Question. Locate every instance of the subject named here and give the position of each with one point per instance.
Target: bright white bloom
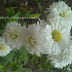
(34, 39)
(4, 48)
(63, 59)
(13, 35)
(58, 38)
(62, 11)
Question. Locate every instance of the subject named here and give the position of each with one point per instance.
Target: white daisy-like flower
(4, 48)
(60, 61)
(58, 38)
(62, 11)
(13, 35)
(34, 39)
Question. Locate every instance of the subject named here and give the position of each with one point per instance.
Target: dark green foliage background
(21, 60)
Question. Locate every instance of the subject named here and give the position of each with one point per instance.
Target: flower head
(4, 48)
(34, 39)
(65, 58)
(13, 35)
(58, 37)
(62, 11)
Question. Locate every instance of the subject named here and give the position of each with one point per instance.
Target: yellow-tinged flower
(13, 35)
(62, 11)
(58, 37)
(4, 48)
(35, 39)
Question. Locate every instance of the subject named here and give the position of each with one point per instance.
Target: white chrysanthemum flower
(4, 48)
(34, 39)
(13, 35)
(62, 11)
(60, 61)
(58, 37)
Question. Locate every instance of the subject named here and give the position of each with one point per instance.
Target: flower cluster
(60, 44)
(51, 37)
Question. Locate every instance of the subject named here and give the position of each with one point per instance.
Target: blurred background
(22, 61)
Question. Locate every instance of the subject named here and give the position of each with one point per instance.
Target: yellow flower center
(62, 15)
(56, 35)
(32, 41)
(2, 47)
(13, 35)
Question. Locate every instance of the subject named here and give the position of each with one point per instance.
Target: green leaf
(34, 16)
(15, 17)
(6, 59)
(22, 55)
(17, 14)
(28, 13)
(10, 11)
(1, 66)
